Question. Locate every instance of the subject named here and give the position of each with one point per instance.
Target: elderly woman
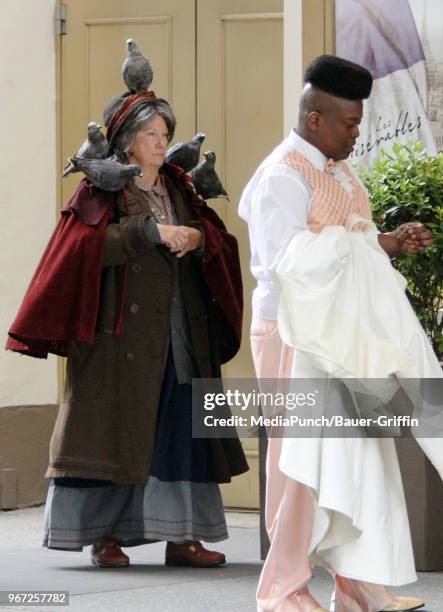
(150, 298)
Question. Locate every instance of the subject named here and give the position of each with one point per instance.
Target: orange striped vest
(331, 203)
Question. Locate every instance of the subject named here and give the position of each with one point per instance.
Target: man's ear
(313, 121)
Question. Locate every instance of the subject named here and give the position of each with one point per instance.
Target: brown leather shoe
(192, 554)
(107, 553)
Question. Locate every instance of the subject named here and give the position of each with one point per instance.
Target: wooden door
(220, 65)
(94, 48)
(240, 108)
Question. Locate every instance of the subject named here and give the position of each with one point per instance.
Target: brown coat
(107, 419)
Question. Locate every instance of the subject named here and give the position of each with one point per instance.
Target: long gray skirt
(136, 514)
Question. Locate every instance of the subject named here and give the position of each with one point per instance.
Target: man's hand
(413, 237)
(179, 238)
(407, 238)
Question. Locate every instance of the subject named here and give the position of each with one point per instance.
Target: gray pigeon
(94, 147)
(106, 174)
(136, 70)
(186, 154)
(205, 179)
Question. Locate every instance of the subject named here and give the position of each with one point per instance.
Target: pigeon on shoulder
(106, 174)
(136, 69)
(94, 147)
(206, 181)
(186, 154)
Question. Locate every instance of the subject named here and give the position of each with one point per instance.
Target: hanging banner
(382, 36)
(429, 20)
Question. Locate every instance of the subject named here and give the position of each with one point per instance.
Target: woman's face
(150, 144)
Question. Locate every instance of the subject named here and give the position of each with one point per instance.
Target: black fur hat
(339, 77)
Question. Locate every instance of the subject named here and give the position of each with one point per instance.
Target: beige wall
(293, 53)
(28, 387)
(308, 32)
(27, 176)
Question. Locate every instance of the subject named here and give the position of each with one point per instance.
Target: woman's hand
(180, 239)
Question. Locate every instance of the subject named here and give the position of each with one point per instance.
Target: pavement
(147, 584)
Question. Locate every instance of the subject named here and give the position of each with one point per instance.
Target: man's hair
(339, 77)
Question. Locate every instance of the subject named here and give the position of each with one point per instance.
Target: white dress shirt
(276, 204)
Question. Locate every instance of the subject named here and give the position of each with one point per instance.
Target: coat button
(134, 308)
(130, 356)
(136, 268)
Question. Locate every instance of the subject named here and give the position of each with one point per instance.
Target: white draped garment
(344, 309)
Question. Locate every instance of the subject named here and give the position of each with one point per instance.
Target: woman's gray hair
(138, 121)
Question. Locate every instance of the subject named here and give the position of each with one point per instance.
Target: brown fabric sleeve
(126, 240)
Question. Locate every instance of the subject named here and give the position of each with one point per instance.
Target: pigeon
(94, 147)
(205, 179)
(136, 69)
(186, 154)
(106, 174)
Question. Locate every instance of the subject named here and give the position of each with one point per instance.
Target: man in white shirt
(289, 194)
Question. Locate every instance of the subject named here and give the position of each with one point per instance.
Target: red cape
(61, 302)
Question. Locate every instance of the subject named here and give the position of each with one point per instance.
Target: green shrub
(407, 185)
